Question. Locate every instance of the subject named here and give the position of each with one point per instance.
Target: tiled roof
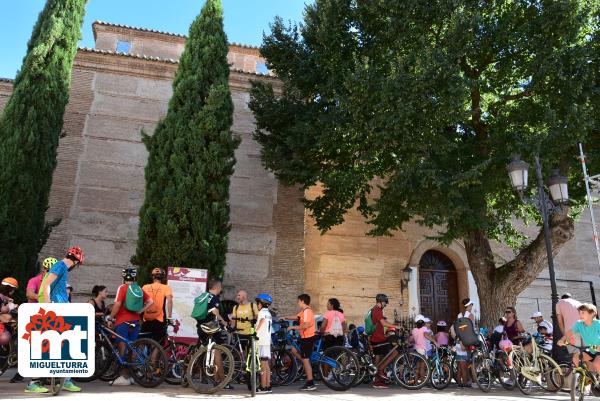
(6, 80)
(158, 59)
(136, 28)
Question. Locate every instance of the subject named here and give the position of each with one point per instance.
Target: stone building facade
(123, 85)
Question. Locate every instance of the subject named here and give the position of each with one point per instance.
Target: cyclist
(35, 283)
(306, 327)
(162, 297)
(378, 340)
(243, 317)
(588, 327)
(100, 293)
(215, 286)
(127, 322)
(540, 322)
(333, 327)
(263, 330)
(7, 290)
(54, 289)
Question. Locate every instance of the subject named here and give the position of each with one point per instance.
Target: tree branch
(495, 107)
(532, 260)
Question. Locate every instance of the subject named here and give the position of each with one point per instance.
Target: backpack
(200, 311)
(134, 298)
(336, 328)
(465, 331)
(370, 326)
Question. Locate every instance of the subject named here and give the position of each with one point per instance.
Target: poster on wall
(186, 284)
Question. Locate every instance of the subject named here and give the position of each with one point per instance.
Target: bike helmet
(264, 299)
(157, 272)
(48, 262)
(76, 253)
(382, 298)
(442, 323)
(129, 273)
(11, 282)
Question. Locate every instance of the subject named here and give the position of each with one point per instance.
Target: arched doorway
(438, 286)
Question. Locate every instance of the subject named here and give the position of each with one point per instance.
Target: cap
(536, 314)
(468, 302)
(546, 325)
(427, 320)
(419, 317)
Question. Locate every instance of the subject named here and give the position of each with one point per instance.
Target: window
(261, 67)
(123, 46)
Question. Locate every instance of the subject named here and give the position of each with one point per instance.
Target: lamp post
(547, 205)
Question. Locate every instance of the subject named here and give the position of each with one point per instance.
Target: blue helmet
(264, 298)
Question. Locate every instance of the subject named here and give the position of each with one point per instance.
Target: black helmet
(382, 298)
(129, 273)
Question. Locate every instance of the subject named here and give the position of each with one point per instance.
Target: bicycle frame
(115, 351)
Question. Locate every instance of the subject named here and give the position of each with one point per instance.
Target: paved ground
(102, 391)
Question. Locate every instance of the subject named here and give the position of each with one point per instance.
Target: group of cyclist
(150, 308)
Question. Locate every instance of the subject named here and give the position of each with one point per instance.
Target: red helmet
(77, 253)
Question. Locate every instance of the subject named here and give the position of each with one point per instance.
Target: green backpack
(369, 325)
(134, 300)
(200, 311)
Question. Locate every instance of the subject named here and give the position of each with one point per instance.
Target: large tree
(30, 127)
(185, 217)
(411, 110)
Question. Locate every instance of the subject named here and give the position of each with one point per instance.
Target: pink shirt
(568, 309)
(418, 336)
(442, 338)
(329, 315)
(34, 285)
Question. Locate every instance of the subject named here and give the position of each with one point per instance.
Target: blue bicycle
(144, 358)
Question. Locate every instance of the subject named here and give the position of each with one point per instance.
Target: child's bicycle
(582, 377)
(535, 368)
(253, 368)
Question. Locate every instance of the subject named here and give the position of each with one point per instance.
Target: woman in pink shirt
(333, 327)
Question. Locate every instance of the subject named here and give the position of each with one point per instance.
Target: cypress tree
(185, 217)
(30, 127)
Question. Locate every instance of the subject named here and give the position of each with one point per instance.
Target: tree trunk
(499, 287)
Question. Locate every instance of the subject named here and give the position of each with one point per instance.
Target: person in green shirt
(588, 328)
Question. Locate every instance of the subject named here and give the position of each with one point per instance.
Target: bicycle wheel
(519, 361)
(207, 377)
(552, 376)
(176, 355)
(441, 375)
(284, 367)
(102, 363)
(411, 370)
(239, 364)
(147, 363)
(253, 367)
(504, 371)
(578, 382)
(56, 385)
(481, 371)
(339, 368)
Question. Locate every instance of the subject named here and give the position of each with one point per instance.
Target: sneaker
(308, 387)
(17, 378)
(121, 381)
(379, 384)
(261, 390)
(69, 386)
(269, 389)
(228, 387)
(35, 388)
(131, 381)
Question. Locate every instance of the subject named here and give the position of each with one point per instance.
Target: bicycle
(440, 365)
(9, 352)
(536, 367)
(582, 377)
(211, 367)
(253, 363)
(144, 358)
(283, 363)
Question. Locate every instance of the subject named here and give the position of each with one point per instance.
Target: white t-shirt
(264, 332)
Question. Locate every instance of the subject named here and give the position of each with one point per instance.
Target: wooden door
(438, 287)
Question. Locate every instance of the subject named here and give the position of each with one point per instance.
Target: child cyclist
(263, 331)
(588, 327)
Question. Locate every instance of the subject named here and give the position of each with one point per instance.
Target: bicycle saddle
(210, 328)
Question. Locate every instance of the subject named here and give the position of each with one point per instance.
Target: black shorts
(307, 346)
(593, 356)
(219, 337)
(155, 330)
(381, 348)
(332, 341)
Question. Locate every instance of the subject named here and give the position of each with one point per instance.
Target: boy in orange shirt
(306, 327)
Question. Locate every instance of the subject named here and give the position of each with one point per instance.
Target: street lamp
(405, 278)
(559, 196)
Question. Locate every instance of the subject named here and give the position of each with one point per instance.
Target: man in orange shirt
(306, 327)
(162, 296)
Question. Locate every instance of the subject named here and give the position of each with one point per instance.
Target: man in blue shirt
(55, 290)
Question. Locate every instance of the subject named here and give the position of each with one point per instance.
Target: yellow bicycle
(582, 378)
(535, 368)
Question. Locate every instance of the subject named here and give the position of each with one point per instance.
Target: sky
(245, 20)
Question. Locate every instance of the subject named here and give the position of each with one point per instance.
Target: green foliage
(415, 107)
(30, 127)
(185, 217)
